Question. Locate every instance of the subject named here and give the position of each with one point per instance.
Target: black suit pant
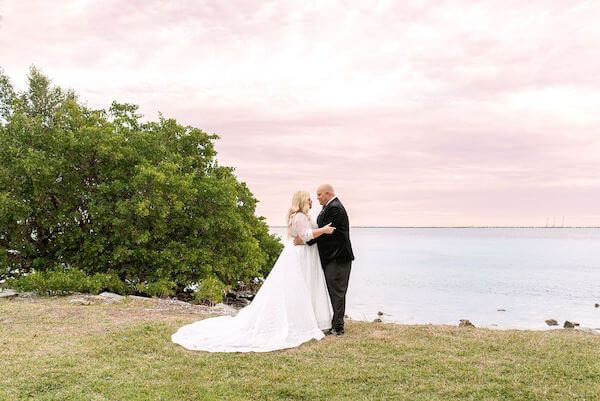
(337, 275)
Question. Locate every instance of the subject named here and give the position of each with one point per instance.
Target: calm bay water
(441, 275)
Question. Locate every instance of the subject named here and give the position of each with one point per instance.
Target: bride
(291, 307)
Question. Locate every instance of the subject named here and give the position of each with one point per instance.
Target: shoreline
(175, 305)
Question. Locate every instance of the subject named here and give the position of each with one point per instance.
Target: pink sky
(419, 113)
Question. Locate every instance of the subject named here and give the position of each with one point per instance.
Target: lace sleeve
(302, 227)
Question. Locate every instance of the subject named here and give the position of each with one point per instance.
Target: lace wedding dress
(291, 307)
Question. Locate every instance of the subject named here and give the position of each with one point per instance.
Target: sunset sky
(419, 113)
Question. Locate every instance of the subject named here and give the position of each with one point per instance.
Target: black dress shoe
(335, 332)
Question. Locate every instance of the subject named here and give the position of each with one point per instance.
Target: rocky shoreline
(233, 303)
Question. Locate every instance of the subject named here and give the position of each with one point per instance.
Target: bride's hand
(329, 229)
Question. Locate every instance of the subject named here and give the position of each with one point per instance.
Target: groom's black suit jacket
(337, 245)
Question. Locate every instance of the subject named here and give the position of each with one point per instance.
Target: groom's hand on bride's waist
(298, 240)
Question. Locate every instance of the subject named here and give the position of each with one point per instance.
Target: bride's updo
(300, 204)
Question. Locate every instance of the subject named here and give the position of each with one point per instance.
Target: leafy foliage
(108, 193)
(160, 288)
(60, 281)
(210, 291)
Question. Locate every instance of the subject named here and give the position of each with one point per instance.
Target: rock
(465, 323)
(88, 299)
(378, 320)
(137, 297)
(588, 330)
(380, 313)
(501, 310)
(8, 293)
(249, 295)
(570, 325)
(29, 294)
(175, 301)
(111, 295)
(80, 301)
(224, 309)
(551, 322)
(239, 299)
(597, 305)
(238, 303)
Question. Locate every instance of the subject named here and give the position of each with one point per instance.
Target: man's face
(322, 196)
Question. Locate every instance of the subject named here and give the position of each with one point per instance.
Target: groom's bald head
(325, 193)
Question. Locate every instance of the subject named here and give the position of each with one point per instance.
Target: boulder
(380, 313)
(8, 293)
(378, 320)
(570, 325)
(111, 295)
(551, 322)
(597, 305)
(465, 323)
(501, 310)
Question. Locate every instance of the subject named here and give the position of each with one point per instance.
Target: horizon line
(279, 226)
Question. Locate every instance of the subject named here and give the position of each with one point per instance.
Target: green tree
(105, 192)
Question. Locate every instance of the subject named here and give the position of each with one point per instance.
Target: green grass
(51, 350)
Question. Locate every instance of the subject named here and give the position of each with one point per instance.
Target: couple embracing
(304, 296)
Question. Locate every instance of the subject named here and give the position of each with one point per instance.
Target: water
(441, 275)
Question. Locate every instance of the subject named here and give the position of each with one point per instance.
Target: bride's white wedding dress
(291, 307)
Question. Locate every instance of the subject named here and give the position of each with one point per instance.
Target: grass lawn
(52, 350)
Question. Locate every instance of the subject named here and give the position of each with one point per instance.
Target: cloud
(420, 112)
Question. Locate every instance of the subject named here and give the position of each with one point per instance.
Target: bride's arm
(323, 230)
(305, 230)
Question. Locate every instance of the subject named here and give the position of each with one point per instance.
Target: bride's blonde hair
(299, 205)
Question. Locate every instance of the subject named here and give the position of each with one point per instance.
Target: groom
(335, 252)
